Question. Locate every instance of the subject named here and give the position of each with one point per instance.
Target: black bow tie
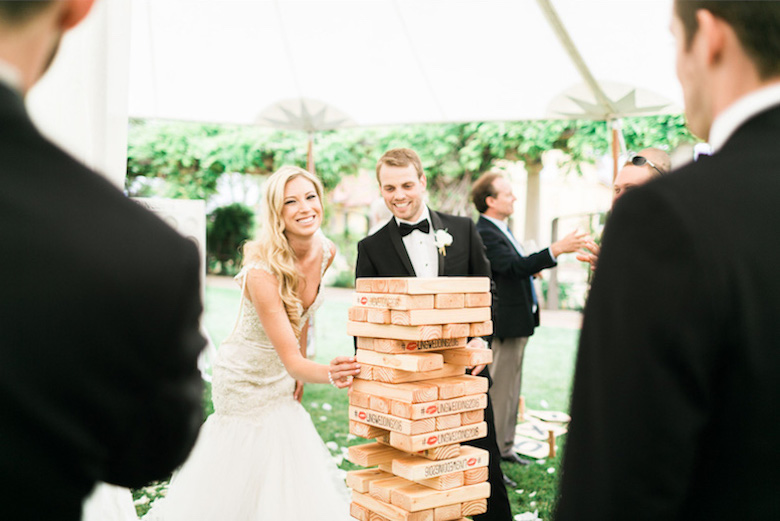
(406, 229)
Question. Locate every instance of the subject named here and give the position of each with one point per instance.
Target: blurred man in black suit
(679, 360)
(99, 308)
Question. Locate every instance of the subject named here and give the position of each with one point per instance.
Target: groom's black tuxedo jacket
(511, 274)
(677, 384)
(99, 309)
(383, 254)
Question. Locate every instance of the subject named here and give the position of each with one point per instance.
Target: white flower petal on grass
(338, 459)
(344, 451)
(551, 470)
(528, 516)
(332, 445)
(323, 418)
(519, 491)
(545, 405)
(141, 500)
(532, 504)
(314, 405)
(541, 461)
(327, 407)
(351, 437)
(532, 494)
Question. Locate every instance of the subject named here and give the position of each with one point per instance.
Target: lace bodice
(249, 376)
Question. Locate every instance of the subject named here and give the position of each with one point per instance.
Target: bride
(259, 457)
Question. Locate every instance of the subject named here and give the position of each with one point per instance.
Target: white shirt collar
(426, 215)
(10, 76)
(740, 111)
(501, 224)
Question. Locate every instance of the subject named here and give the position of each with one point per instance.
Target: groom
(405, 247)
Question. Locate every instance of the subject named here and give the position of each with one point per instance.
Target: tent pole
(310, 154)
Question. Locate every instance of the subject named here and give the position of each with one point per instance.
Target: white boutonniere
(442, 239)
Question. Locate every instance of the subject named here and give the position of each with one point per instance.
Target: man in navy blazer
(405, 247)
(678, 372)
(517, 309)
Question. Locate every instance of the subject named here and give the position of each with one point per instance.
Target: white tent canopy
(373, 62)
(401, 61)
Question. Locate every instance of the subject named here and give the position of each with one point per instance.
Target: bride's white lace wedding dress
(258, 457)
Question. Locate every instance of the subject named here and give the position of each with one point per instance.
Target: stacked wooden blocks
(413, 397)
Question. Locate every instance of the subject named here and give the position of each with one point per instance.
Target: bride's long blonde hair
(272, 246)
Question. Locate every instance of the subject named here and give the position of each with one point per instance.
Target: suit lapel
(500, 233)
(438, 225)
(400, 249)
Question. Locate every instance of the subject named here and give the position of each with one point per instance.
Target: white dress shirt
(421, 248)
(740, 111)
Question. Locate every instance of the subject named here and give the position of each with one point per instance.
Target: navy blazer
(511, 272)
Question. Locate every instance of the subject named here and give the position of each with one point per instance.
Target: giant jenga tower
(413, 397)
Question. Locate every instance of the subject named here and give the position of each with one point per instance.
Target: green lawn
(548, 368)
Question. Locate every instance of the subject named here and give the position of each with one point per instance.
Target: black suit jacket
(99, 336)
(512, 273)
(383, 254)
(677, 380)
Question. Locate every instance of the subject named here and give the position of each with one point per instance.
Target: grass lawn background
(548, 368)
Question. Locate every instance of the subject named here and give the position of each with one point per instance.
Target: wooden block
(417, 317)
(455, 330)
(449, 300)
(472, 384)
(471, 417)
(449, 421)
(390, 301)
(366, 373)
(395, 376)
(473, 476)
(359, 479)
(423, 285)
(480, 328)
(447, 512)
(551, 443)
(405, 362)
(417, 333)
(366, 431)
(357, 314)
(373, 516)
(387, 345)
(380, 489)
(391, 512)
(417, 442)
(406, 392)
(358, 512)
(377, 316)
(478, 300)
(391, 423)
(359, 399)
(449, 387)
(416, 468)
(474, 507)
(468, 356)
(418, 497)
(372, 454)
(378, 404)
(416, 411)
(439, 453)
(444, 482)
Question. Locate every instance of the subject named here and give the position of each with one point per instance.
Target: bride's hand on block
(341, 371)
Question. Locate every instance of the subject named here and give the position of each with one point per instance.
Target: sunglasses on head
(642, 160)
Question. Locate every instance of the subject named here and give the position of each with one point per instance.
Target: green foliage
(227, 229)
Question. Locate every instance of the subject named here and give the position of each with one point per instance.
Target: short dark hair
(15, 12)
(756, 23)
(400, 157)
(482, 189)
